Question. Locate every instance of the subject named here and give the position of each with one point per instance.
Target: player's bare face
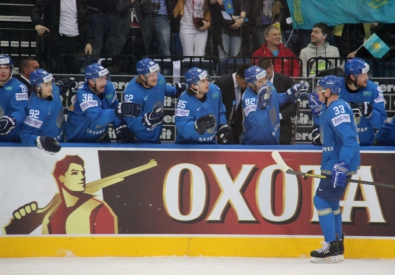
(152, 78)
(320, 93)
(260, 82)
(101, 84)
(74, 178)
(362, 80)
(46, 89)
(203, 85)
(5, 73)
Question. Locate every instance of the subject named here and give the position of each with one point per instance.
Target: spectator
(261, 108)
(287, 111)
(194, 24)
(227, 33)
(96, 105)
(69, 27)
(26, 66)
(149, 89)
(13, 101)
(101, 23)
(318, 47)
(158, 25)
(200, 113)
(274, 48)
(121, 23)
(44, 124)
(260, 17)
(232, 88)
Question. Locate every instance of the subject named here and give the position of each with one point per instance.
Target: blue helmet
(95, 70)
(5, 59)
(39, 76)
(332, 82)
(254, 73)
(194, 75)
(146, 66)
(356, 66)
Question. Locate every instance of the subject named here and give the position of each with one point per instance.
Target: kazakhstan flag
(306, 13)
(376, 46)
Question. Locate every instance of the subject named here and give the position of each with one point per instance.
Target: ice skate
(329, 253)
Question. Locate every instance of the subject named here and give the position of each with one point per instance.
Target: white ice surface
(191, 266)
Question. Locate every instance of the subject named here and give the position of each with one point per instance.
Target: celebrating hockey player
(149, 89)
(96, 106)
(200, 113)
(340, 160)
(365, 98)
(261, 104)
(44, 124)
(13, 101)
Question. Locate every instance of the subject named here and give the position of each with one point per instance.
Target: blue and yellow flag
(229, 7)
(376, 46)
(306, 13)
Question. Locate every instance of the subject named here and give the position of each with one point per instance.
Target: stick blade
(280, 162)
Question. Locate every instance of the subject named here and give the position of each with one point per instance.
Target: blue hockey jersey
(89, 116)
(44, 118)
(149, 99)
(262, 127)
(189, 109)
(13, 102)
(339, 137)
(366, 126)
(386, 135)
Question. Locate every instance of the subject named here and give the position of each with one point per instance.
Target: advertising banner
(137, 191)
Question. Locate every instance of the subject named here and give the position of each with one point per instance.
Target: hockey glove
(48, 144)
(361, 109)
(315, 136)
(297, 91)
(314, 104)
(7, 124)
(127, 109)
(264, 97)
(153, 118)
(65, 84)
(224, 134)
(180, 88)
(339, 174)
(124, 135)
(203, 123)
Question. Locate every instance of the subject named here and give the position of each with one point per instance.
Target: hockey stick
(280, 162)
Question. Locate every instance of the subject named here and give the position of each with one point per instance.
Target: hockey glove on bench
(48, 144)
(203, 123)
(153, 118)
(7, 124)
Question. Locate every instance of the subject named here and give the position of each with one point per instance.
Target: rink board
(187, 201)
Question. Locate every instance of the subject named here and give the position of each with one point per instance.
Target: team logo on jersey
(340, 119)
(21, 96)
(182, 112)
(88, 104)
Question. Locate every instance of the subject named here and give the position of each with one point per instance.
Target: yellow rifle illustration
(26, 224)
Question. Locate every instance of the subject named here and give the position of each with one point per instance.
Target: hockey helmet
(40, 76)
(5, 59)
(254, 73)
(356, 66)
(194, 75)
(95, 70)
(146, 66)
(332, 82)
